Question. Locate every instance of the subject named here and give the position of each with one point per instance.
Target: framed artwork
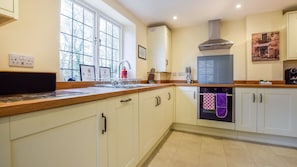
(265, 46)
(87, 72)
(104, 73)
(141, 52)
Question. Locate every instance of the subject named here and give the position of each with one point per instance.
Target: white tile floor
(191, 150)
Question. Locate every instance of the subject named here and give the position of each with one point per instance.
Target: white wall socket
(18, 60)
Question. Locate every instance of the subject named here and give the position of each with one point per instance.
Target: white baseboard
(238, 135)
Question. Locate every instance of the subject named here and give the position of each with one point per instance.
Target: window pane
(88, 60)
(88, 49)
(65, 58)
(66, 8)
(109, 41)
(76, 38)
(102, 52)
(102, 25)
(66, 24)
(116, 43)
(77, 45)
(78, 13)
(65, 42)
(88, 33)
(89, 18)
(103, 38)
(109, 28)
(67, 74)
(109, 54)
(116, 55)
(116, 31)
(76, 75)
(78, 29)
(110, 36)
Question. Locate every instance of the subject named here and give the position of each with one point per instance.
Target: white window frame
(96, 47)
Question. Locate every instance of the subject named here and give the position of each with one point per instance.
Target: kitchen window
(78, 40)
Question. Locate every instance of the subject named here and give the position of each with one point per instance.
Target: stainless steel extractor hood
(215, 42)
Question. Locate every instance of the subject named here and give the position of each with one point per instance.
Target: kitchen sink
(33, 96)
(125, 86)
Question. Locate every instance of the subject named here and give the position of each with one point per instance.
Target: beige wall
(185, 50)
(266, 22)
(36, 33)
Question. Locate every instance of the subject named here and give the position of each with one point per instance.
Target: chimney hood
(215, 42)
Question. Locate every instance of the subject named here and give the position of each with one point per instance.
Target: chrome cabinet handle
(254, 98)
(104, 124)
(169, 96)
(194, 96)
(157, 101)
(261, 98)
(125, 101)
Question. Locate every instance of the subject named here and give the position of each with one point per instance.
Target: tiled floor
(191, 150)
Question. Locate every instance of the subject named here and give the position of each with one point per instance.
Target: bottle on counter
(124, 72)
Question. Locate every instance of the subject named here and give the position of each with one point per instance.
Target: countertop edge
(15, 108)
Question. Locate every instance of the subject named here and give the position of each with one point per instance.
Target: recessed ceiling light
(174, 17)
(238, 6)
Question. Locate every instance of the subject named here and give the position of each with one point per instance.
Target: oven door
(209, 107)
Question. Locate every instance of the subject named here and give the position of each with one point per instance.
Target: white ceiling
(193, 12)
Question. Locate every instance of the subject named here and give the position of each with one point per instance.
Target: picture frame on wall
(141, 52)
(104, 73)
(87, 72)
(266, 46)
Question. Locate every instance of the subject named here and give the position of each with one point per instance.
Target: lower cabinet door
(277, 112)
(59, 137)
(70, 145)
(186, 105)
(4, 143)
(122, 131)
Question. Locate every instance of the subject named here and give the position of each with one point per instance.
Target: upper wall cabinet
(8, 10)
(291, 35)
(159, 48)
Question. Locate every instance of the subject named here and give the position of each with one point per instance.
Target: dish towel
(209, 101)
(221, 105)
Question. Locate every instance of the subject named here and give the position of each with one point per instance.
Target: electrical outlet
(18, 60)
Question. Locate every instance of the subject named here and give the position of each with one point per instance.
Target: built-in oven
(216, 98)
(216, 103)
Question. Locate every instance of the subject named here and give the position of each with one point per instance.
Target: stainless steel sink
(125, 86)
(33, 96)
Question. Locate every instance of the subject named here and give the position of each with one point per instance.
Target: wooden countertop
(98, 93)
(88, 94)
(251, 85)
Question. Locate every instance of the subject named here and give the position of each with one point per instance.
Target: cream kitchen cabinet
(159, 48)
(291, 18)
(8, 10)
(266, 110)
(4, 143)
(122, 131)
(66, 136)
(186, 105)
(155, 117)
